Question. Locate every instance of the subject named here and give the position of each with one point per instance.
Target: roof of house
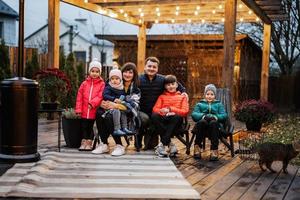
(84, 31)
(173, 37)
(7, 10)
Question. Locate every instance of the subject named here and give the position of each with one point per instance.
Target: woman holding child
(111, 123)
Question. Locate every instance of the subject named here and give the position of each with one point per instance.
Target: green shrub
(4, 62)
(32, 66)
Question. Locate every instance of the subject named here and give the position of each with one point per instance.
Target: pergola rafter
(144, 13)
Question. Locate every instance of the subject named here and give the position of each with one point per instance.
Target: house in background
(76, 36)
(8, 24)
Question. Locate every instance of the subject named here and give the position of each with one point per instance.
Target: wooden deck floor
(228, 178)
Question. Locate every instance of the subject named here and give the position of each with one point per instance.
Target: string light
(202, 20)
(198, 7)
(142, 14)
(241, 19)
(140, 10)
(250, 12)
(223, 20)
(257, 19)
(173, 21)
(86, 1)
(196, 12)
(156, 21)
(177, 13)
(158, 14)
(125, 15)
(157, 9)
(240, 5)
(121, 11)
(177, 8)
(140, 21)
(220, 6)
(214, 11)
(189, 20)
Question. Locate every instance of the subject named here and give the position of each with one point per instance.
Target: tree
(62, 59)
(285, 35)
(71, 72)
(4, 62)
(80, 72)
(32, 66)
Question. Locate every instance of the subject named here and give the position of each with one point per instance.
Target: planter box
(72, 132)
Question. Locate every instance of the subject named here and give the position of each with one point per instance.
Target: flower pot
(49, 105)
(253, 125)
(72, 132)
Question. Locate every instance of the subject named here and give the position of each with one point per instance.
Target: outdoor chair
(183, 134)
(226, 133)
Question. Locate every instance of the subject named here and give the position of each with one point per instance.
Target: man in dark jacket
(151, 86)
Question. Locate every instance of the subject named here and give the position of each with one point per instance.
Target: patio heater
(19, 111)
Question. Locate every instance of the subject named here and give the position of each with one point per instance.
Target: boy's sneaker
(119, 150)
(161, 150)
(214, 155)
(101, 148)
(127, 131)
(173, 149)
(119, 133)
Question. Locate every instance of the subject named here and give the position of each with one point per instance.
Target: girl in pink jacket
(89, 97)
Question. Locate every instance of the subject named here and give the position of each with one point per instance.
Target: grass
(284, 129)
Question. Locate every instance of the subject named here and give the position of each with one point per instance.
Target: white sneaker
(101, 148)
(119, 150)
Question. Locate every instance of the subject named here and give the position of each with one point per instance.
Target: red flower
(54, 84)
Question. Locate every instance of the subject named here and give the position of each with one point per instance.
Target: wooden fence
(28, 52)
(284, 92)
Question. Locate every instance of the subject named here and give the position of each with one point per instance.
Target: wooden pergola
(145, 13)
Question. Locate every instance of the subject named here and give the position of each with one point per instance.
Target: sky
(36, 14)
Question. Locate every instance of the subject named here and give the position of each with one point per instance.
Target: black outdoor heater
(19, 111)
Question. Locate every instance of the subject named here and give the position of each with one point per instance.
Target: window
(80, 56)
(103, 57)
(1, 30)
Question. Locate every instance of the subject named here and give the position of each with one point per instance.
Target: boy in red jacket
(168, 113)
(89, 97)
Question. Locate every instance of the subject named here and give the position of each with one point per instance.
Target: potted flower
(71, 125)
(254, 113)
(54, 85)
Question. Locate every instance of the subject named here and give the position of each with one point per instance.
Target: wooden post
(229, 46)
(53, 33)
(141, 54)
(264, 82)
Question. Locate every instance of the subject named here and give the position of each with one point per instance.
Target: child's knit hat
(95, 64)
(210, 87)
(115, 72)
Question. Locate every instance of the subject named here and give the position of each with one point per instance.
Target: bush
(71, 73)
(32, 66)
(255, 111)
(4, 62)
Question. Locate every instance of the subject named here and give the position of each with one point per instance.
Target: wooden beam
(120, 3)
(257, 10)
(53, 33)
(103, 11)
(265, 63)
(229, 44)
(141, 54)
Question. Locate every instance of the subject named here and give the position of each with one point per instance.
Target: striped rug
(73, 174)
